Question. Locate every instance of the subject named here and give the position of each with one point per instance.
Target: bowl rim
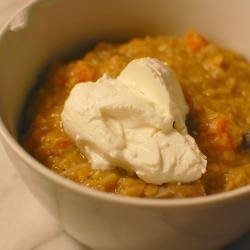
(41, 169)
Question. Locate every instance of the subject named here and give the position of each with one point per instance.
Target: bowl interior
(57, 29)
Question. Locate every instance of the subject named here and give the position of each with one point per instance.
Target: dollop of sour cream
(135, 122)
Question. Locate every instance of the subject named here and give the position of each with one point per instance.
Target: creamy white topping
(127, 122)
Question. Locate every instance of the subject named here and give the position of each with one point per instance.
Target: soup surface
(215, 82)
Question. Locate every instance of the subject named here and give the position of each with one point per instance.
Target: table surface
(35, 230)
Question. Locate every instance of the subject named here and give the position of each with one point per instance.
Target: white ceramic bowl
(52, 29)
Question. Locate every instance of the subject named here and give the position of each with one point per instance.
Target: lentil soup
(216, 84)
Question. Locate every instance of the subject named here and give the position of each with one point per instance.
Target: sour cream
(128, 122)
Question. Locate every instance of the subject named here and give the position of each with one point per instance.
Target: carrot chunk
(223, 133)
(195, 41)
